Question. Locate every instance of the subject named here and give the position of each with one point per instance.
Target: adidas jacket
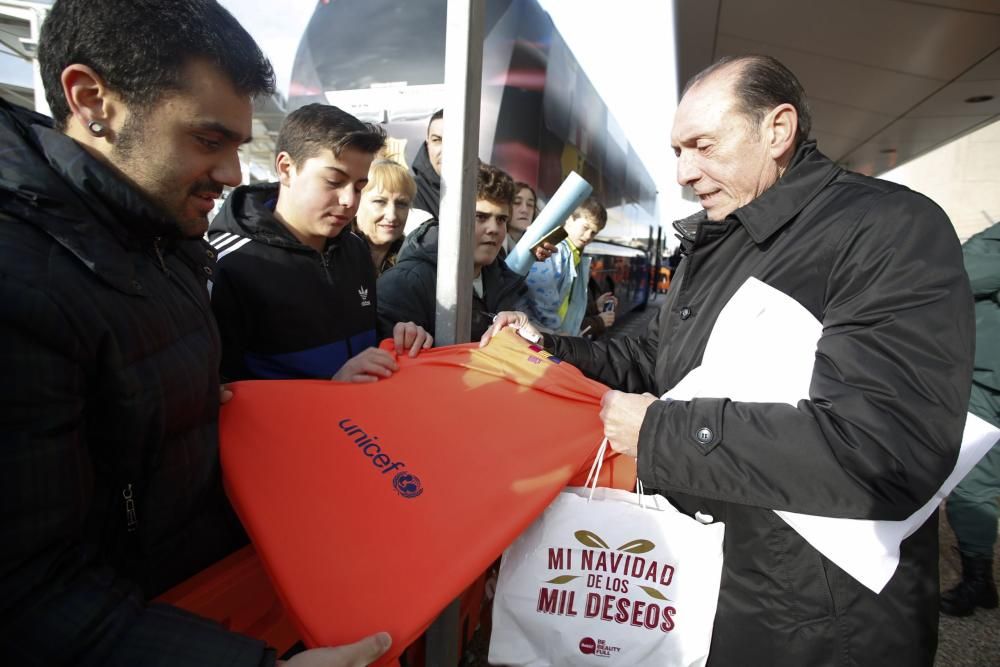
(285, 310)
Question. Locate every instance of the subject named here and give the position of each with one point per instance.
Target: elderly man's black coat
(110, 489)
(881, 268)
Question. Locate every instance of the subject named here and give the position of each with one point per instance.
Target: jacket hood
(82, 203)
(249, 211)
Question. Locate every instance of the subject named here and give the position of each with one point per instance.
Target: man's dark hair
(140, 48)
(595, 210)
(495, 186)
(762, 83)
(438, 115)
(311, 129)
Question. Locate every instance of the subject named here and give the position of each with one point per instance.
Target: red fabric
(237, 593)
(474, 444)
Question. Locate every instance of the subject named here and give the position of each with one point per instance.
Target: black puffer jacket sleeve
(234, 327)
(626, 364)
(406, 293)
(881, 429)
(58, 605)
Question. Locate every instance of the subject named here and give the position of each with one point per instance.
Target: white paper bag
(608, 582)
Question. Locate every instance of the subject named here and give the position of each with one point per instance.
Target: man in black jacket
(109, 470)
(426, 170)
(878, 430)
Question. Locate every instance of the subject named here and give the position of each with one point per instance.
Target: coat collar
(128, 212)
(809, 172)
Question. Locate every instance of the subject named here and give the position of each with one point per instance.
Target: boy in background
(557, 287)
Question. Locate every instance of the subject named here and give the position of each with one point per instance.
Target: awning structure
(887, 81)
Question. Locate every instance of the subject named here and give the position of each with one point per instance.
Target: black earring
(96, 129)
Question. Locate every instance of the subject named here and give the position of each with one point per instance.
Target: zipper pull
(159, 254)
(131, 518)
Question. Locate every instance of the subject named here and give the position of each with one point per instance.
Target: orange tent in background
(372, 507)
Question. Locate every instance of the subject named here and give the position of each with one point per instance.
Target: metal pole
(463, 73)
(659, 259)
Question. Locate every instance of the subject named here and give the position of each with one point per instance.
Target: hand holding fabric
(368, 366)
(511, 318)
(412, 337)
(622, 415)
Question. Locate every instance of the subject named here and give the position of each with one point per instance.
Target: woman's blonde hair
(390, 176)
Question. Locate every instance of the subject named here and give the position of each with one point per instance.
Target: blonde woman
(385, 205)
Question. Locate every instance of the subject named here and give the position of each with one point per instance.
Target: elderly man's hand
(622, 415)
(412, 337)
(511, 318)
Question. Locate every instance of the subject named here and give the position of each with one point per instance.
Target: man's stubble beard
(139, 164)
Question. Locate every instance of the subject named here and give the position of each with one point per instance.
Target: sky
(625, 48)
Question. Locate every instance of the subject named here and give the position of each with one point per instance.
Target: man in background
(972, 505)
(426, 170)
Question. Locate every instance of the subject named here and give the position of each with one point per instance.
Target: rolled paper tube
(567, 198)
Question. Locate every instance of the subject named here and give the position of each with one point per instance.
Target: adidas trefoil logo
(363, 293)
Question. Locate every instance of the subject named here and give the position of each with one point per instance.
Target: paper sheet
(771, 339)
(566, 199)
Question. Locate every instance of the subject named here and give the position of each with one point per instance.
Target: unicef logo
(407, 484)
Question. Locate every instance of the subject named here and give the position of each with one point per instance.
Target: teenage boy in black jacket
(294, 291)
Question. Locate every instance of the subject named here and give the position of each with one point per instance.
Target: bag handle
(595, 473)
(595, 468)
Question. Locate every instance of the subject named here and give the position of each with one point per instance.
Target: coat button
(207, 270)
(685, 313)
(704, 434)
(136, 285)
(210, 254)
